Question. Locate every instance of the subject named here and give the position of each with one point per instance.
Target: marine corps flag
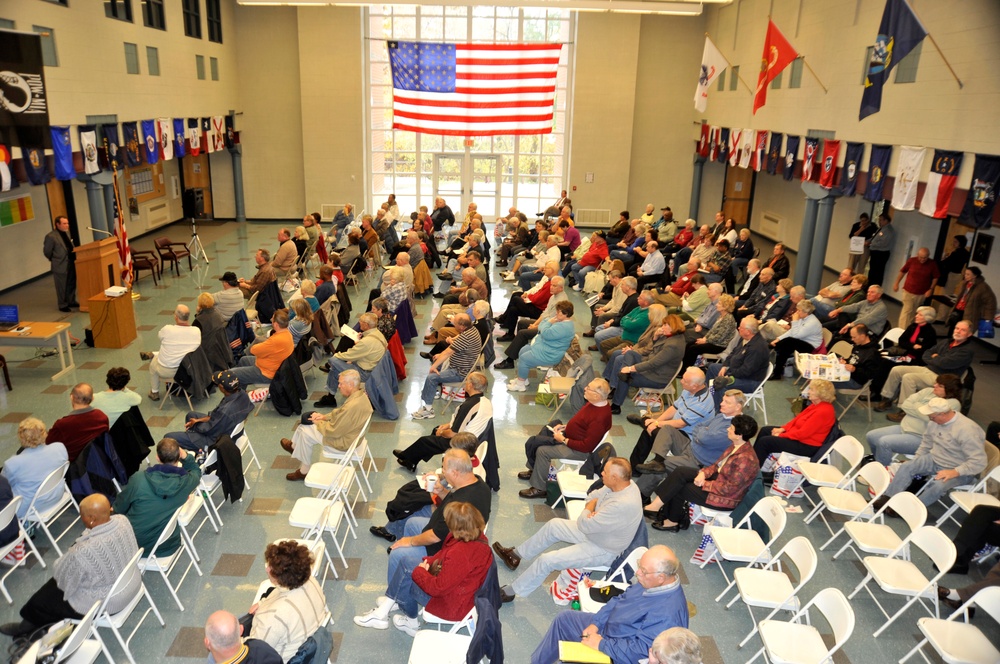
(828, 164)
(898, 34)
(778, 54)
(982, 198)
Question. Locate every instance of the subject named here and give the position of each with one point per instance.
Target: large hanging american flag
(473, 89)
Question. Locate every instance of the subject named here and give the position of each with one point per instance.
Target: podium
(112, 320)
(97, 268)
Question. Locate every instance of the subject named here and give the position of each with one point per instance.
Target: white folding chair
(335, 479)
(742, 544)
(468, 622)
(794, 643)
(433, 647)
(892, 336)
(458, 385)
(848, 502)
(824, 472)
(573, 485)
(76, 649)
(619, 578)
(873, 536)
(115, 621)
(969, 500)
(186, 516)
(165, 564)
(756, 398)
(901, 577)
(207, 486)
(771, 588)
(242, 440)
(958, 641)
(8, 515)
(54, 484)
(360, 455)
(323, 514)
(169, 387)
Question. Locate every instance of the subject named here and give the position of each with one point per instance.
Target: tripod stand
(195, 246)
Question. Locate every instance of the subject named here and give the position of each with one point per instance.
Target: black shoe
(74, 305)
(505, 338)
(380, 531)
(506, 364)
(652, 514)
(524, 475)
(616, 409)
(325, 368)
(635, 418)
(506, 597)
(65, 310)
(412, 467)
(652, 467)
(439, 296)
(658, 525)
(865, 460)
(959, 568)
(16, 629)
(327, 400)
(425, 355)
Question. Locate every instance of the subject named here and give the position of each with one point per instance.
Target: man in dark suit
(759, 296)
(59, 250)
(753, 278)
(745, 368)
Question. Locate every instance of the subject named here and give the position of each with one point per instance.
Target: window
(795, 74)
(152, 14)
(119, 9)
(906, 69)
(776, 81)
(213, 15)
(192, 18)
(721, 87)
(213, 65)
(199, 63)
(153, 61)
(868, 58)
(131, 58)
(6, 24)
(735, 78)
(49, 56)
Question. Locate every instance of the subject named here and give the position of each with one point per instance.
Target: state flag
(723, 155)
(828, 163)
(878, 165)
(746, 147)
(165, 132)
(218, 133)
(194, 136)
(31, 142)
(62, 150)
(179, 149)
(899, 33)
(941, 183)
(151, 141)
(734, 146)
(713, 143)
(712, 64)
(759, 151)
(112, 142)
(230, 132)
(904, 191)
(809, 158)
(852, 166)
(774, 153)
(982, 198)
(703, 141)
(778, 54)
(88, 146)
(132, 144)
(206, 135)
(791, 154)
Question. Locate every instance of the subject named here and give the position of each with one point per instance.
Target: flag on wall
(746, 147)
(734, 146)
(473, 89)
(904, 191)
(778, 54)
(774, 153)
(712, 64)
(33, 157)
(941, 183)
(791, 154)
(852, 166)
(218, 133)
(62, 150)
(151, 141)
(194, 136)
(713, 143)
(179, 148)
(208, 144)
(131, 144)
(898, 34)
(111, 141)
(809, 158)
(7, 179)
(165, 132)
(759, 151)
(23, 97)
(723, 145)
(703, 142)
(828, 163)
(88, 147)
(230, 132)
(878, 164)
(982, 198)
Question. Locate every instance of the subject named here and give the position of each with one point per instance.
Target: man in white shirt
(176, 341)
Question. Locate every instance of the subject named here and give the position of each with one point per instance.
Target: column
(95, 201)
(109, 203)
(806, 241)
(699, 165)
(820, 238)
(241, 211)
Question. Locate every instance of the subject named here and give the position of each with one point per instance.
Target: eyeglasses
(645, 572)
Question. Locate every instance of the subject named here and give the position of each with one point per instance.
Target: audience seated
(779, 262)
(342, 220)
(287, 255)
(871, 312)
(713, 339)
(976, 300)
(526, 329)
(807, 431)
(224, 645)
(530, 303)
(652, 362)
(629, 328)
(750, 282)
(610, 300)
(682, 287)
(547, 348)
(804, 334)
(745, 366)
(981, 528)
(717, 268)
(201, 430)
(863, 360)
(917, 337)
(777, 319)
(612, 326)
(176, 341)
(263, 276)
(301, 319)
(528, 274)
(759, 296)
(829, 298)
(905, 437)
(266, 356)
(362, 357)
(117, 399)
(460, 355)
(229, 300)
(577, 270)
(82, 425)
(28, 469)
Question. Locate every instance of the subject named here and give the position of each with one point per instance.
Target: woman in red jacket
(807, 431)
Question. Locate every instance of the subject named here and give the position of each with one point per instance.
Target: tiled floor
(232, 560)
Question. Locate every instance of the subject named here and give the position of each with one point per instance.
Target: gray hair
(557, 281)
(755, 262)
(798, 291)
(878, 289)
(631, 282)
(458, 461)
(352, 377)
(602, 387)
(929, 313)
(222, 630)
(477, 380)
(807, 307)
(716, 288)
(696, 375)
(481, 308)
(368, 319)
(738, 396)
(615, 273)
(677, 645)
(182, 313)
(751, 324)
(397, 273)
(381, 304)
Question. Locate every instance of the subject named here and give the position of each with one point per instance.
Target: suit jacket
(760, 295)
(749, 285)
(781, 266)
(56, 251)
(749, 360)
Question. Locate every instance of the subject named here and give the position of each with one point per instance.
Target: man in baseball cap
(229, 300)
(203, 430)
(951, 453)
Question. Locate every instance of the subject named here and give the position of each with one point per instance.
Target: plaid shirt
(722, 260)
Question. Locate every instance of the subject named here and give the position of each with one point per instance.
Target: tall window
(119, 9)
(192, 18)
(152, 14)
(213, 14)
(50, 58)
(527, 172)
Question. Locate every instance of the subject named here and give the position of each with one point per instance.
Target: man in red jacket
(81, 426)
(590, 261)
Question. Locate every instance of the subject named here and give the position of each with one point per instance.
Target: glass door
(486, 185)
(463, 178)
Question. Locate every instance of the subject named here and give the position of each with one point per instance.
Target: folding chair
(958, 641)
(771, 588)
(742, 543)
(337, 478)
(169, 391)
(901, 577)
(165, 564)
(969, 500)
(209, 484)
(323, 514)
(468, 622)
(53, 484)
(8, 515)
(618, 579)
(115, 621)
(573, 485)
(794, 643)
(318, 550)
(757, 396)
(77, 648)
(189, 510)
(663, 396)
(873, 536)
(892, 336)
(361, 450)
(824, 472)
(458, 385)
(242, 440)
(848, 502)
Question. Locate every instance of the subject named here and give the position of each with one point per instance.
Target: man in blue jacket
(202, 430)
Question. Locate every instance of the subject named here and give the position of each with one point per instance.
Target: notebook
(572, 651)
(8, 317)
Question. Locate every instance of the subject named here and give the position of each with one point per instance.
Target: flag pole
(749, 89)
(806, 63)
(937, 48)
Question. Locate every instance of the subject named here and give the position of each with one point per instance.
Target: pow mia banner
(23, 101)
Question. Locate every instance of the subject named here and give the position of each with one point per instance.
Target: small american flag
(473, 89)
(121, 236)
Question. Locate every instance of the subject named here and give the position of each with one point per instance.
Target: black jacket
(269, 301)
(131, 439)
(95, 468)
(867, 359)
(749, 360)
(230, 468)
(630, 303)
(195, 373)
(288, 388)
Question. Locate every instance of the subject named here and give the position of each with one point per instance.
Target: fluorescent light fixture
(671, 8)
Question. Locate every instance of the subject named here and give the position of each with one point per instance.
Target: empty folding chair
(359, 453)
(795, 643)
(209, 484)
(901, 577)
(848, 502)
(8, 515)
(957, 641)
(771, 588)
(323, 514)
(242, 440)
(756, 398)
(53, 484)
(825, 473)
(165, 563)
(968, 500)
(873, 536)
(742, 544)
(335, 479)
(186, 516)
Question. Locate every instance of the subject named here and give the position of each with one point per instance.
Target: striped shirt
(286, 618)
(465, 350)
(694, 408)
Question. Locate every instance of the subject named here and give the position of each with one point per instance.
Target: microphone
(99, 230)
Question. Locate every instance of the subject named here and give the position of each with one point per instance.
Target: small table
(41, 335)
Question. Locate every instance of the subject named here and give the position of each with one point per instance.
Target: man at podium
(58, 249)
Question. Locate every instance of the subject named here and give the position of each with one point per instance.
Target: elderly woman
(652, 363)
(856, 293)
(27, 470)
(293, 609)
(300, 324)
(917, 337)
(721, 485)
(386, 323)
(301, 240)
(206, 318)
(779, 303)
(905, 437)
(742, 252)
(516, 242)
(117, 399)
(548, 346)
(805, 336)
(308, 290)
(718, 336)
(350, 257)
(807, 431)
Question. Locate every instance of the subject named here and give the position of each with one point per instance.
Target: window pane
(776, 82)
(213, 15)
(199, 63)
(131, 58)
(152, 14)
(722, 81)
(192, 18)
(153, 61)
(906, 69)
(214, 62)
(734, 79)
(49, 56)
(6, 24)
(119, 9)
(795, 74)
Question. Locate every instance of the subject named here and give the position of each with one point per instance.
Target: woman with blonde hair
(807, 431)
(301, 324)
(718, 336)
(308, 290)
(652, 362)
(27, 470)
(206, 318)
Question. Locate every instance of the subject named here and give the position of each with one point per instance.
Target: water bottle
(575, 605)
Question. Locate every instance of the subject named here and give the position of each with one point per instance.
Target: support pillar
(820, 238)
(237, 153)
(699, 165)
(815, 235)
(806, 241)
(109, 203)
(95, 201)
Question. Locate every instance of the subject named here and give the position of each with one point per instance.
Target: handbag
(986, 329)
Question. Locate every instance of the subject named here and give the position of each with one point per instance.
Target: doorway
(464, 178)
(737, 195)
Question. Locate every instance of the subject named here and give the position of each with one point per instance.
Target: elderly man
(263, 276)
(653, 265)
(745, 368)
(478, 313)
(952, 356)
(766, 285)
(879, 247)
(58, 249)
(677, 645)
(719, 263)
(265, 358)
(775, 326)
(82, 425)
(612, 298)
(224, 645)
(666, 226)
(414, 250)
(921, 277)
(469, 280)
(201, 430)
(951, 453)
(85, 573)
(176, 341)
(523, 331)
(229, 300)
(693, 406)
(472, 416)
(337, 429)
(827, 298)
(709, 315)
(625, 627)
(577, 270)
(612, 327)
(151, 497)
(871, 311)
(606, 526)
(751, 281)
(531, 303)
(574, 440)
(461, 355)
(630, 327)
(779, 262)
(362, 357)
(442, 214)
(286, 256)
(546, 251)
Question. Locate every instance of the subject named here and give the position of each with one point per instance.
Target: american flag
(473, 89)
(124, 252)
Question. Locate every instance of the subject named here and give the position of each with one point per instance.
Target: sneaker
(509, 277)
(578, 288)
(371, 620)
(517, 385)
(382, 599)
(425, 413)
(406, 624)
(145, 356)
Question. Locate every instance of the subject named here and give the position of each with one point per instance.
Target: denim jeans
(925, 466)
(402, 562)
(434, 381)
(886, 442)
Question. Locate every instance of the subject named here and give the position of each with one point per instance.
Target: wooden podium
(97, 268)
(112, 320)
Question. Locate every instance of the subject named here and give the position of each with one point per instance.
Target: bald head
(81, 395)
(402, 259)
(660, 565)
(95, 510)
(222, 635)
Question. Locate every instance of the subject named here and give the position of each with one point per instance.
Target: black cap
(229, 278)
